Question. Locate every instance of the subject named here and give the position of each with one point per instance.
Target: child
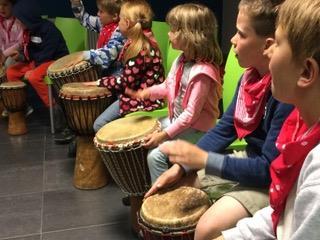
(42, 44)
(295, 190)
(142, 63)
(110, 41)
(193, 87)
(10, 32)
(253, 114)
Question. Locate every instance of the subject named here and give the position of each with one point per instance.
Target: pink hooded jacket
(201, 100)
(11, 35)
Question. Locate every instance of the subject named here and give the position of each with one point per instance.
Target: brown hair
(263, 14)
(111, 6)
(300, 20)
(197, 28)
(139, 14)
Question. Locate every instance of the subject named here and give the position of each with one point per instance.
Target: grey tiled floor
(37, 199)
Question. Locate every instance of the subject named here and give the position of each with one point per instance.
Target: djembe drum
(14, 98)
(172, 214)
(82, 105)
(2, 79)
(61, 73)
(120, 143)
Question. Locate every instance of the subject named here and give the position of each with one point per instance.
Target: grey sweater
(301, 219)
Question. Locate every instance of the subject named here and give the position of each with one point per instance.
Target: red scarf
(179, 73)
(294, 142)
(252, 97)
(8, 30)
(105, 34)
(25, 43)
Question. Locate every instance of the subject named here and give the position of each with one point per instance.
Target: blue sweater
(261, 149)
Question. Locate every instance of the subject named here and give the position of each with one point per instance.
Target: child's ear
(268, 43)
(115, 17)
(309, 73)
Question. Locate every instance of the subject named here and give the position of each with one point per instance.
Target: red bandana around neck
(11, 23)
(105, 34)
(294, 142)
(252, 97)
(179, 73)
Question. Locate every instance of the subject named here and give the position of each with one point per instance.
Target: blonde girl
(193, 86)
(141, 59)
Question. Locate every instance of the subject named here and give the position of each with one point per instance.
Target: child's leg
(16, 72)
(157, 163)
(110, 114)
(228, 210)
(35, 78)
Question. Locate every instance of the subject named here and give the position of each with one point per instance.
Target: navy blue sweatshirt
(261, 149)
(46, 41)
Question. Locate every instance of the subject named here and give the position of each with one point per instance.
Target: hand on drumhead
(185, 153)
(141, 94)
(15, 55)
(219, 238)
(167, 179)
(154, 139)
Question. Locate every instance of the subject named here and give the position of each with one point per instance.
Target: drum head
(59, 66)
(80, 90)
(12, 85)
(127, 131)
(176, 209)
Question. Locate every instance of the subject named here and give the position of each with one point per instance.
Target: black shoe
(72, 149)
(64, 137)
(126, 201)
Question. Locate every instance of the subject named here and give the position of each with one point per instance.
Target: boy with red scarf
(294, 211)
(10, 32)
(42, 44)
(253, 115)
(110, 41)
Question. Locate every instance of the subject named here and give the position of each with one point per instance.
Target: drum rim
(68, 95)
(5, 85)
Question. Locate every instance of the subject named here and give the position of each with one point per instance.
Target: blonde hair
(300, 20)
(196, 27)
(263, 14)
(110, 6)
(139, 14)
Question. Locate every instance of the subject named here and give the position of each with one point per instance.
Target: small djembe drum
(61, 73)
(120, 143)
(172, 214)
(2, 79)
(82, 105)
(14, 97)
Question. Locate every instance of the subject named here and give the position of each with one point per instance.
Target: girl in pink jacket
(11, 32)
(193, 86)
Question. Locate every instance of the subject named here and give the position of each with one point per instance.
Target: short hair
(300, 20)
(111, 6)
(263, 14)
(197, 28)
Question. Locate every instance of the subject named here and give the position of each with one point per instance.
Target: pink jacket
(11, 35)
(200, 102)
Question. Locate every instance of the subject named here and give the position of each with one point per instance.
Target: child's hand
(154, 139)
(184, 153)
(75, 2)
(27, 75)
(139, 95)
(15, 55)
(2, 58)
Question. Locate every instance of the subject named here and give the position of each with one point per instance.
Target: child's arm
(197, 99)
(88, 21)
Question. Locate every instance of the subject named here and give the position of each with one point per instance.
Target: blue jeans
(110, 114)
(158, 161)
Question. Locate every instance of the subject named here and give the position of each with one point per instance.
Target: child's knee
(155, 159)
(206, 229)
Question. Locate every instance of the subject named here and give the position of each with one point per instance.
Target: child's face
(5, 8)
(284, 71)
(248, 46)
(124, 24)
(173, 38)
(105, 17)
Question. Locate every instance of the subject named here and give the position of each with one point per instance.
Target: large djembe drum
(2, 79)
(60, 72)
(82, 105)
(14, 97)
(120, 143)
(172, 214)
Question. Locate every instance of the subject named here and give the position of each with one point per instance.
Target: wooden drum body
(120, 144)
(2, 80)
(14, 98)
(82, 105)
(61, 73)
(173, 214)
